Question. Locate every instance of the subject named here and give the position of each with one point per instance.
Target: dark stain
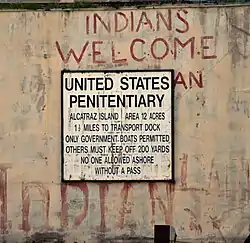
(46, 139)
(42, 156)
(203, 14)
(49, 73)
(66, 16)
(236, 104)
(28, 49)
(246, 26)
(40, 85)
(40, 104)
(23, 85)
(21, 108)
(36, 89)
(217, 27)
(247, 239)
(177, 99)
(201, 99)
(241, 30)
(46, 237)
(56, 237)
(233, 35)
(238, 34)
(127, 239)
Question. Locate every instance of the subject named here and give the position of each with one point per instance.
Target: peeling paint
(209, 50)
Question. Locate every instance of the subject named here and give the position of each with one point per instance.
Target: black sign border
(172, 179)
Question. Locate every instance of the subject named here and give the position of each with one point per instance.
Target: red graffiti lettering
(66, 58)
(190, 78)
(132, 22)
(132, 51)
(118, 20)
(151, 187)
(87, 25)
(64, 207)
(193, 225)
(167, 23)
(44, 192)
(191, 41)
(96, 52)
(153, 47)
(3, 197)
(204, 47)
(179, 79)
(198, 80)
(170, 190)
(137, 21)
(98, 19)
(157, 49)
(123, 211)
(183, 20)
(144, 21)
(114, 60)
(103, 190)
(154, 195)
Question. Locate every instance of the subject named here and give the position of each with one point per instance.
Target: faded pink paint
(64, 207)
(184, 164)
(44, 192)
(3, 197)
(124, 195)
(167, 210)
(103, 193)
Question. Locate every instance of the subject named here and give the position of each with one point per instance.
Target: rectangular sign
(117, 125)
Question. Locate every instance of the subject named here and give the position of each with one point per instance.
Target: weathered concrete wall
(212, 191)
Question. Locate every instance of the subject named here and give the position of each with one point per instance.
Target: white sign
(117, 125)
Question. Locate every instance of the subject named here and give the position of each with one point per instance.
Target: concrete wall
(210, 199)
